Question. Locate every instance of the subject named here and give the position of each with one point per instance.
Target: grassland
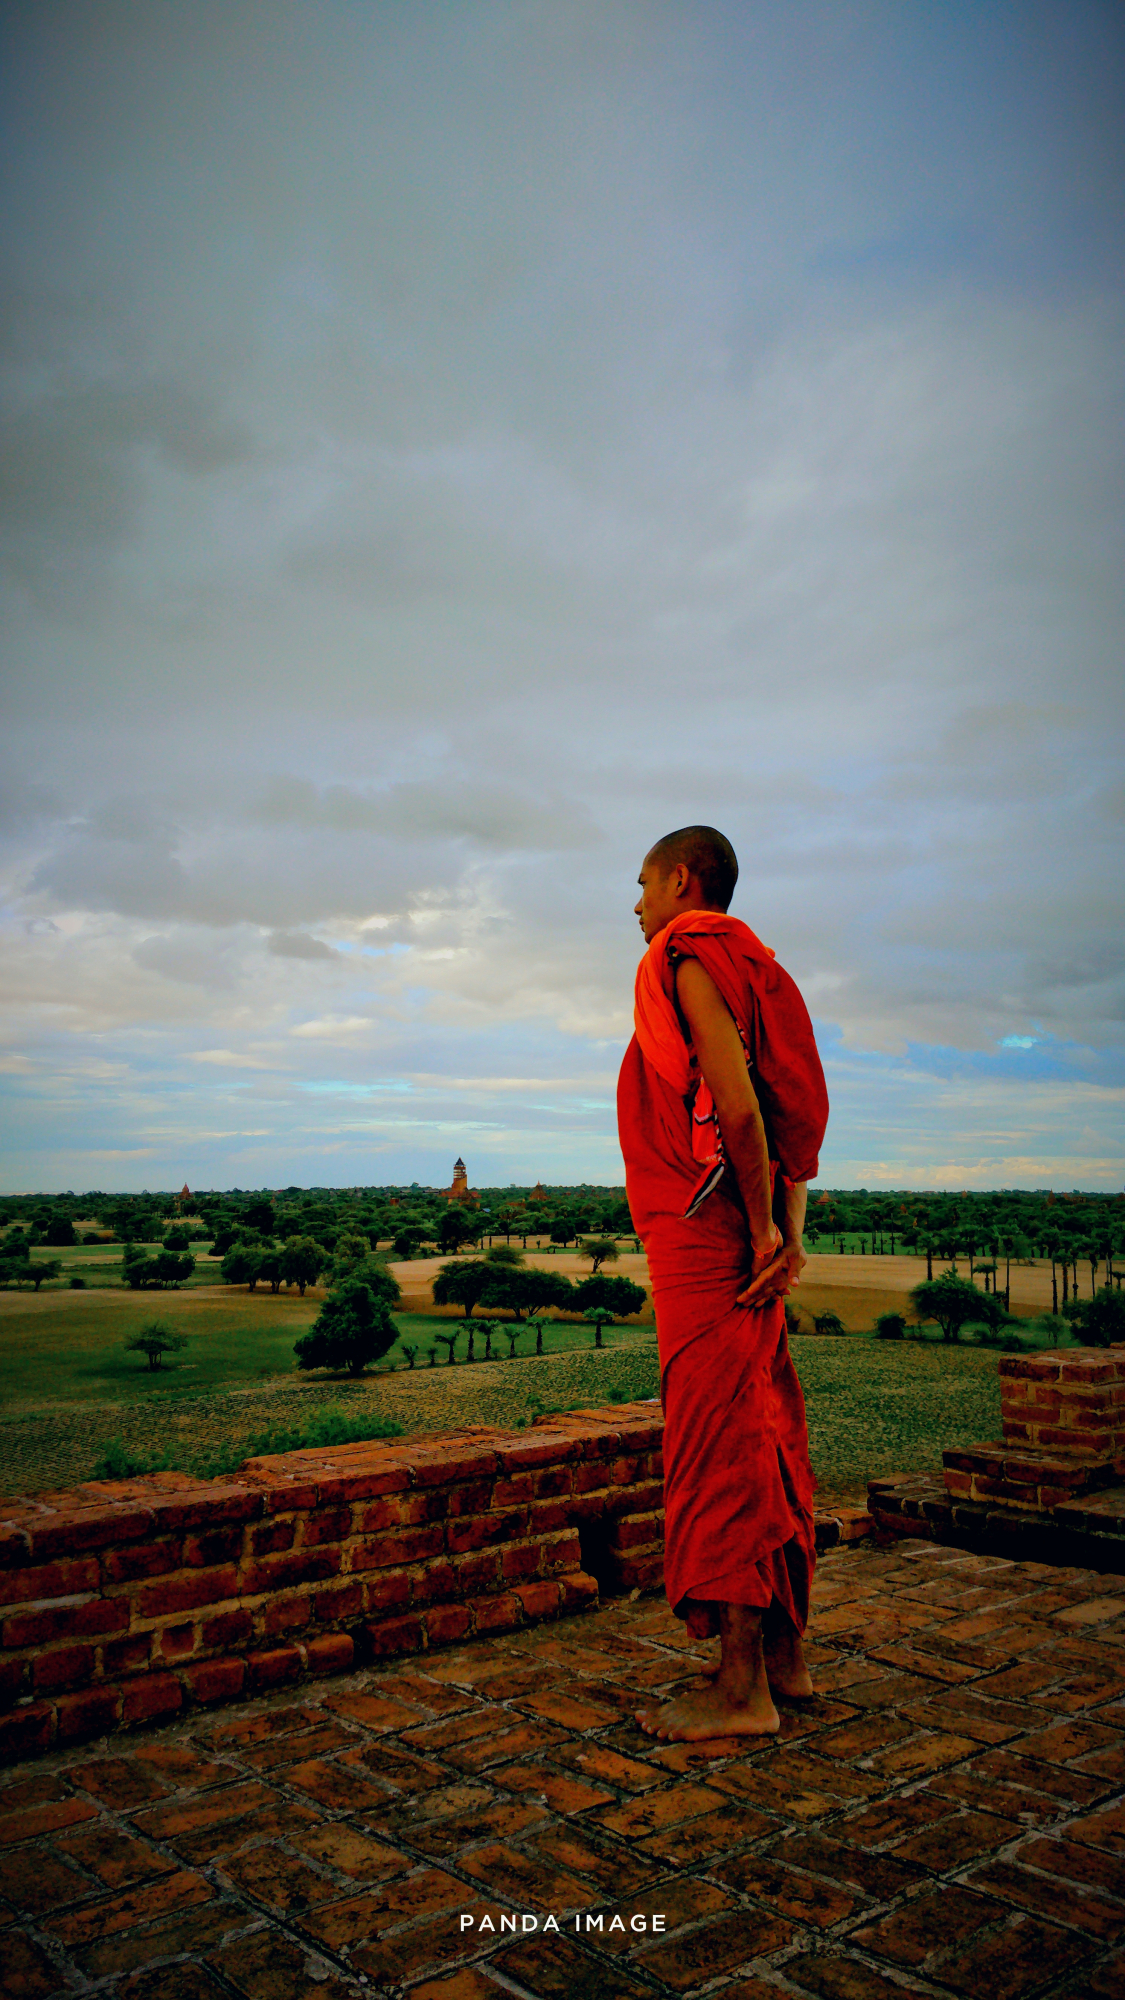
(70, 1387)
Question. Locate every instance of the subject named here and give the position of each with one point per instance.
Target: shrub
(829, 1323)
(78, 1284)
(353, 1327)
(954, 1303)
(890, 1326)
(118, 1463)
(1099, 1321)
(792, 1318)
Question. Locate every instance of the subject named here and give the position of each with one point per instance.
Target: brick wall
(1063, 1415)
(122, 1604)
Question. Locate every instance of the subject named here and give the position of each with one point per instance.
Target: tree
(353, 1327)
(259, 1216)
(598, 1318)
(829, 1323)
(143, 1273)
(600, 1250)
(410, 1349)
(50, 1268)
(464, 1284)
(351, 1249)
(527, 1291)
(407, 1241)
(60, 1233)
(155, 1340)
(449, 1342)
(269, 1269)
(454, 1229)
(302, 1261)
(242, 1264)
(538, 1325)
(955, 1303)
(177, 1238)
(619, 1296)
(1100, 1321)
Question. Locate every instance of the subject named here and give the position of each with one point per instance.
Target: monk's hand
(775, 1272)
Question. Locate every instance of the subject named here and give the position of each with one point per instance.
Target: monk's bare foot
(786, 1670)
(710, 1711)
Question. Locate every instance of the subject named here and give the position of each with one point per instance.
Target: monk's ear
(681, 878)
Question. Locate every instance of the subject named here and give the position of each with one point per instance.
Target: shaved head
(707, 854)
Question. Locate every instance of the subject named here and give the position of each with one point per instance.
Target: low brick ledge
(1086, 1531)
(128, 1603)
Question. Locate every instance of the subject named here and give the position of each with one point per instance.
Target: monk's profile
(722, 1109)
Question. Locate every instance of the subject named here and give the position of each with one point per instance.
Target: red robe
(737, 1482)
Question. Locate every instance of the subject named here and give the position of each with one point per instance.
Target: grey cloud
(299, 944)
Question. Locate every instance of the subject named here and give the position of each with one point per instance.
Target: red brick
(392, 1550)
(327, 1524)
(388, 1590)
(284, 1572)
(187, 1591)
(443, 1469)
(496, 1614)
(67, 1666)
(520, 1559)
(395, 1635)
(271, 1538)
(539, 1600)
(26, 1731)
(474, 1497)
(480, 1531)
(273, 1669)
(214, 1680)
(552, 1482)
(88, 1620)
(127, 1656)
(546, 1517)
(90, 1712)
(221, 1545)
(631, 1531)
(177, 1642)
(433, 1584)
(330, 1653)
(474, 1572)
(230, 1628)
(563, 1552)
(96, 1529)
(446, 1623)
(154, 1695)
(640, 1572)
(209, 1508)
(344, 1601)
(577, 1590)
(57, 1579)
(515, 1490)
(142, 1560)
(400, 1510)
(285, 1614)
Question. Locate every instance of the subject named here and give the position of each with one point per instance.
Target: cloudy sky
(448, 445)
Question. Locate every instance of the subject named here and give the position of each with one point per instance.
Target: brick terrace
(946, 1819)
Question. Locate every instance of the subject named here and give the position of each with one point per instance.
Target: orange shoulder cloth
(654, 1011)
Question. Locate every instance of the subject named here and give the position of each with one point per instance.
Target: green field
(68, 1387)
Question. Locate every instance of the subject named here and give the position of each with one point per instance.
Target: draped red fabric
(737, 1481)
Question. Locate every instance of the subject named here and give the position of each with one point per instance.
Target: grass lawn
(68, 1387)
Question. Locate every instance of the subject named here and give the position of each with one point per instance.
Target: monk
(721, 1110)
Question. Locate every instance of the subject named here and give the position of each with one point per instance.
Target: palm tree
(538, 1325)
(449, 1342)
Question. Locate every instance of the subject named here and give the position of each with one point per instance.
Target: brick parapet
(123, 1603)
(1063, 1418)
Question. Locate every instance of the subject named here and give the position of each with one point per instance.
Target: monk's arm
(723, 1063)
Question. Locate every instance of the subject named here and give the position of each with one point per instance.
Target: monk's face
(664, 893)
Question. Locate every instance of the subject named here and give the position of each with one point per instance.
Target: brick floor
(947, 1818)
